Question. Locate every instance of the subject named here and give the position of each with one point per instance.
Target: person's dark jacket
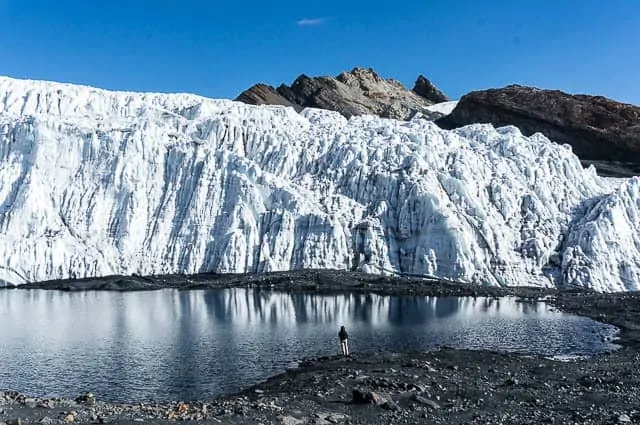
(343, 334)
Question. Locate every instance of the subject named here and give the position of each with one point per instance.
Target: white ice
(445, 108)
(94, 183)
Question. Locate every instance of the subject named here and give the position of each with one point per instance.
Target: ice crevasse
(95, 183)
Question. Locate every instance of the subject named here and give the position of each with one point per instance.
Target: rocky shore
(445, 386)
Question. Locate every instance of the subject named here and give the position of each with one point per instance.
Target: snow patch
(444, 108)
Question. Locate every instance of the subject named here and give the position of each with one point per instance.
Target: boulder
(367, 397)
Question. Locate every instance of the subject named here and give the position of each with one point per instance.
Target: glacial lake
(172, 345)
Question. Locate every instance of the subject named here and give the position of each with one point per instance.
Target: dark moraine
(187, 345)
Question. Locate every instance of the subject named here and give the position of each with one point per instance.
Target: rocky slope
(262, 94)
(600, 130)
(358, 92)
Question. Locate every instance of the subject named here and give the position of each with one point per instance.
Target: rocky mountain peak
(361, 91)
(360, 77)
(263, 94)
(426, 89)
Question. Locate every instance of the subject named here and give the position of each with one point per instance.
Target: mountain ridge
(603, 132)
(360, 91)
(600, 130)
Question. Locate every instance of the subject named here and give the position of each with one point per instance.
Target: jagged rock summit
(357, 92)
(600, 130)
(426, 89)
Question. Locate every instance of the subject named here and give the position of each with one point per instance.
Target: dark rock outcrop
(426, 89)
(601, 131)
(262, 94)
(358, 92)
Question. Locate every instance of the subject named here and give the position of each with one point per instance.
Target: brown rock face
(600, 130)
(262, 94)
(358, 92)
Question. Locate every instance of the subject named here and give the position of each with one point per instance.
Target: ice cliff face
(95, 182)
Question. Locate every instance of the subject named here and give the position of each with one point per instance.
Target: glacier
(95, 183)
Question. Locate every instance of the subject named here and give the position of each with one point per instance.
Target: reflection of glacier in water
(194, 345)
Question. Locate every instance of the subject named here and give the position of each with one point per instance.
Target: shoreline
(308, 281)
(445, 385)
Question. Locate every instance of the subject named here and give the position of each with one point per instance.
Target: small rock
(336, 418)
(30, 402)
(290, 420)
(359, 396)
(426, 401)
(45, 404)
(258, 391)
(367, 397)
(69, 418)
(14, 421)
(624, 418)
(390, 405)
(511, 381)
(242, 410)
(87, 398)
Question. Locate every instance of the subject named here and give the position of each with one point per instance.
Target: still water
(171, 345)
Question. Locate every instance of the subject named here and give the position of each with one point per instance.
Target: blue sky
(218, 49)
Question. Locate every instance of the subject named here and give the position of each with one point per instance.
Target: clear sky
(219, 48)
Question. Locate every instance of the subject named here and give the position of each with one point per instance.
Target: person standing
(343, 341)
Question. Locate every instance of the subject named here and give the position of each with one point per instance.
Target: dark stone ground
(445, 386)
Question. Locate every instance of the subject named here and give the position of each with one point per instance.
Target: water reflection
(194, 345)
